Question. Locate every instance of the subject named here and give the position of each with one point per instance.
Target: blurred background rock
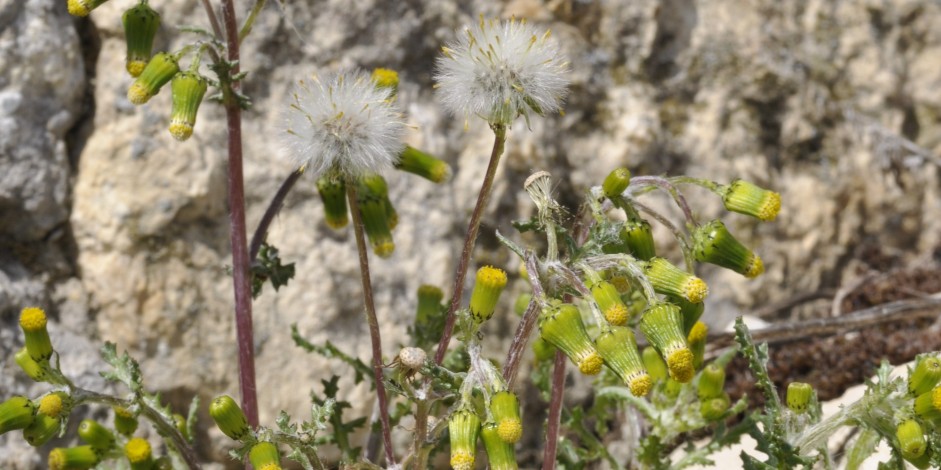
(121, 233)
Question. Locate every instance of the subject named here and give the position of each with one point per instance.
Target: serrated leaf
(329, 351)
(301, 458)
(191, 417)
(125, 369)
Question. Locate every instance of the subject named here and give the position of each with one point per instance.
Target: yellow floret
(640, 385)
(755, 268)
(510, 430)
(135, 67)
(78, 8)
(50, 405)
(695, 290)
(617, 315)
(384, 249)
(462, 460)
(180, 130)
(492, 277)
(591, 365)
(698, 332)
(385, 78)
(770, 208)
(270, 466)
(33, 319)
(138, 94)
(680, 364)
(137, 450)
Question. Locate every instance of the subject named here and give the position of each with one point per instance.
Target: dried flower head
(345, 122)
(499, 70)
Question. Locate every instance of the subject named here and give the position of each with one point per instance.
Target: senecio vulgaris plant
(601, 296)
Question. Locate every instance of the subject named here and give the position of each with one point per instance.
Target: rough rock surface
(834, 104)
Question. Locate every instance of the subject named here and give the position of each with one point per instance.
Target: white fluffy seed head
(343, 122)
(499, 70)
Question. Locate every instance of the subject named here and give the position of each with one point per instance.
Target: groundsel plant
(603, 294)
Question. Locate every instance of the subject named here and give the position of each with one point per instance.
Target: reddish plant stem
(457, 289)
(373, 322)
(555, 411)
(261, 232)
(241, 274)
(525, 328)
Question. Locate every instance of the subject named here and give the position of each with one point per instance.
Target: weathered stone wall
(122, 234)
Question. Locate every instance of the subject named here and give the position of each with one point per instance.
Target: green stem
(250, 21)
(373, 321)
(457, 289)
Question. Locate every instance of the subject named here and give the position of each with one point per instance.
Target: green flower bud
(500, 453)
(928, 405)
(332, 189)
(712, 409)
(691, 312)
(140, 26)
(672, 388)
(799, 395)
(391, 213)
(372, 193)
(422, 164)
(638, 237)
(562, 326)
(265, 456)
(522, 303)
(31, 367)
(911, 439)
(662, 325)
(125, 422)
(616, 182)
(161, 68)
(618, 347)
(505, 407)
(543, 350)
(668, 279)
(228, 417)
(463, 427)
(386, 78)
(96, 435)
(33, 323)
(16, 413)
(83, 7)
(180, 422)
(712, 243)
(42, 429)
(746, 198)
(696, 339)
(486, 293)
(187, 90)
(72, 458)
(925, 376)
(711, 382)
(654, 363)
(139, 454)
(609, 301)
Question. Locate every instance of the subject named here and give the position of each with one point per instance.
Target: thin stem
(555, 411)
(250, 21)
(373, 322)
(527, 323)
(710, 185)
(457, 289)
(667, 186)
(213, 20)
(421, 432)
(241, 265)
(261, 233)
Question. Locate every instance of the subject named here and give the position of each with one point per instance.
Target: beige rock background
(121, 232)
